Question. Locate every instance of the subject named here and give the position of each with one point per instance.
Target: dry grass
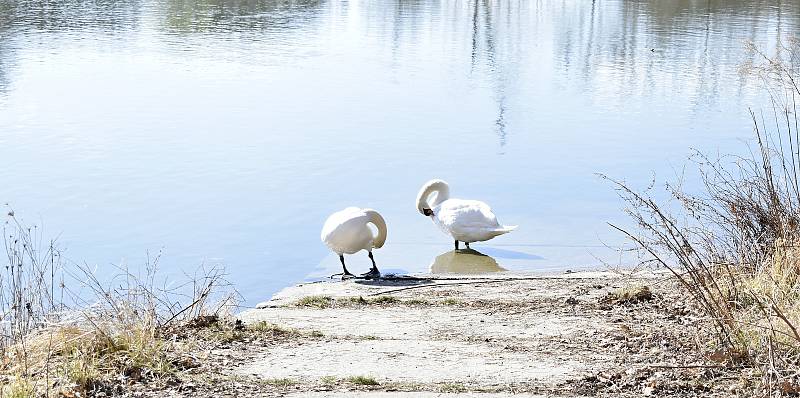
(628, 295)
(67, 333)
(735, 246)
(18, 387)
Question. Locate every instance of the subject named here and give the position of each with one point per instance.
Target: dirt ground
(522, 335)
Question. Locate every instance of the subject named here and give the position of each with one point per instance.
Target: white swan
(465, 220)
(346, 231)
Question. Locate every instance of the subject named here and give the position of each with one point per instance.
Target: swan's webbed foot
(344, 275)
(372, 274)
(348, 275)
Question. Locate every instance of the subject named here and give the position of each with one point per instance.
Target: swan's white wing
(467, 220)
(339, 218)
(459, 213)
(346, 231)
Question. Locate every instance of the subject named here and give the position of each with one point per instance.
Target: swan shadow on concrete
(395, 280)
(466, 261)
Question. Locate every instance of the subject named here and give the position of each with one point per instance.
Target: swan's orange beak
(427, 212)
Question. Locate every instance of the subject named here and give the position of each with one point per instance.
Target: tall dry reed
(67, 331)
(735, 244)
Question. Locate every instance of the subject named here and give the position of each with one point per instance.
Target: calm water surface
(226, 131)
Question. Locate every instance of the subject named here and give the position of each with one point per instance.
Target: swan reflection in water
(467, 261)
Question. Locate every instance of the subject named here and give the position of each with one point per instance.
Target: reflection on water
(630, 45)
(501, 70)
(5, 59)
(464, 261)
(227, 130)
(234, 16)
(509, 254)
(68, 16)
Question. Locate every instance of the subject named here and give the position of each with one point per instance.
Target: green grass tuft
(380, 300)
(316, 333)
(452, 388)
(19, 387)
(354, 301)
(362, 381)
(266, 327)
(451, 301)
(315, 301)
(329, 380)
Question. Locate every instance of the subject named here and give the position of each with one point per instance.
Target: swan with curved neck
(465, 220)
(347, 232)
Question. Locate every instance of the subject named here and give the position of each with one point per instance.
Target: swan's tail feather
(504, 229)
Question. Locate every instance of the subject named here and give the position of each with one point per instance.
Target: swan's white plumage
(465, 220)
(347, 232)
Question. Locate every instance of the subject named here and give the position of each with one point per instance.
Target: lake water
(226, 131)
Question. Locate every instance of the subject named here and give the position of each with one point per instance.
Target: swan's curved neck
(439, 187)
(375, 218)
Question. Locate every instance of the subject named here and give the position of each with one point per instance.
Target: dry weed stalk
(64, 329)
(735, 246)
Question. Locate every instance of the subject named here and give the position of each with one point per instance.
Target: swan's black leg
(467, 243)
(456, 245)
(345, 273)
(372, 259)
(373, 273)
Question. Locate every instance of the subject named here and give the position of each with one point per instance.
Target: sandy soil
(497, 336)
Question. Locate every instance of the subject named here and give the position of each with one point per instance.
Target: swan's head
(432, 194)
